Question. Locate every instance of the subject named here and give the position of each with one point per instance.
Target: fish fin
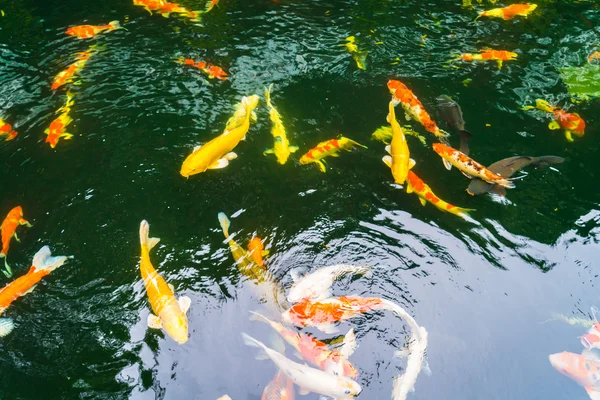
(154, 321)
(423, 201)
(166, 14)
(43, 260)
(6, 326)
(327, 327)
(225, 223)
(594, 395)
(250, 341)
(388, 149)
(407, 116)
(467, 175)
(29, 291)
(302, 391)
(114, 25)
(256, 316)
(145, 235)
(219, 164)
(387, 160)
(16, 237)
(253, 116)
(553, 125)
(447, 164)
(277, 344)
(321, 165)
(426, 368)
(293, 149)
(268, 151)
(409, 188)
(568, 136)
(197, 147)
(184, 303)
(231, 156)
(170, 285)
(411, 163)
(349, 344)
(404, 353)
(499, 64)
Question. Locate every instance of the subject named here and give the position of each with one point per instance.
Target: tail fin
(225, 223)
(351, 143)
(114, 25)
(250, 341)
(145, 239)
(383, 134)
(268, 95)
(349, 344)
(259, 317)
(464, 213)
(43, 260)
(6, 326)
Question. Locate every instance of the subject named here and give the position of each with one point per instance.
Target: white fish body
(315, 286)
(307, 378)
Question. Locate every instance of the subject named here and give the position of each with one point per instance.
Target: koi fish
(281, 147)
(169, 312)
(510, 12)
(256, 250)
(89, 31)
(398, 149)
(217, 153)
(485, 55)
(594, 56)
(507, 168)
(66, 75)
(150, 5)
(416, 362)
(591, 340)
(315, 286)
(360, 57)
(384, 134)
(307, 378)
(280, 388)
(470, 167)
(571, 123)
(583, 368)
(414, 108)
(6, 130)
(452, 115)
(211, 70)
(166, 9)
(57, 128)
(328, 148)
(316, 352)
(13, 220)
(43, 264)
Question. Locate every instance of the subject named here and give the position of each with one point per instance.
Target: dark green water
(482, 291)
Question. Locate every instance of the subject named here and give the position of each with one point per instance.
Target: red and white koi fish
(315, 286)
(89, 31)
(316, 352)
(328, 148)
(66, 75)
(414, 108)
(583, 368)
(280, 388)
(13, 220)
(571, 123)
(6, 130)
(470, 167)
(510, 12)
(57, 128)
(490, 55)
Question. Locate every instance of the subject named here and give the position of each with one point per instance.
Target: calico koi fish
(414, 108)
(280, 388)
(315, 286)
(470, 167)
(583, 368)
(307, 378)
(494, 55)
(169, 312)
(256, 250)
(218, 152)
(13, 220)
(398, 149)
(281, 147)
(328, 148)
(43, 264)
(57, 128)
(66, 75)
(316, 352)
(360, 57)
(571, 123)
(510, 12)
(6, 130)
(89, 31)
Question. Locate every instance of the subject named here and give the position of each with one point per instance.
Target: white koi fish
(315, 286)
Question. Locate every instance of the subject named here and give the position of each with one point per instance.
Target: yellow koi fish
(169, 313)
(281, 147)
(384, 134)
(359, 56)
(328, 148)
(398, 149)
(218, 152)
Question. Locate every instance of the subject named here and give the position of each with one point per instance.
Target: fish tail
(250, 341)
(6, 326)
(259, 317)
(352, 143)
(43, 260)
(145, 239)
(225, 223)
(114, 25)
(402, 313)
(464, 213)
(7, 269)
(268, 95)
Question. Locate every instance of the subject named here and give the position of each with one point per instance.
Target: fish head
(193, 164)
(251, 102)
(582, 370)
(305, 159)
(175, 325)
(347, 388)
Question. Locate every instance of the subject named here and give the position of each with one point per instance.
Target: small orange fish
(496, 55)
(66, 75)
(508, 13)
(594, 56)
(280, 388)
(6, 130)
(211, 70)
(9, 226)
(256, 250)
(57, 128)
(89, 31)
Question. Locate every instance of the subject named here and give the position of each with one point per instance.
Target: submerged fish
(331, 148)
(6, 130)
(43, 264)
(583, 368)
(13, 220)
(281, 147)
(507, 168)
(384, 134)
(169, 312)
(166, 9)
(307, 378)
(256, 250)
(218, 152)
(571, 123)
(490, 55)
(57, 129)
(89, 31)
(510, 12)
(212, 71)
(360, 57)
(416, 362)
(401, 162)
(452, 114)
(67, 74)
(594, 56)
(280, 388)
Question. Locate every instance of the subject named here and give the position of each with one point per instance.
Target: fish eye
(347, 392)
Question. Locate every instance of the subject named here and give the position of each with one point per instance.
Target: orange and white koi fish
(13, 220)
(398, 149)
(594, 56)
(57, 128)
(169, 312)
(6, 130)
(66, 75)
(494, 55)
(571, 123)
(316, 285)
(583, 368)
(89, 31)
(256, 250)
(331, 148)
(414, 108)
(218, 152)
(510, 12)
(316, 352)
(43, 264)
(280, 388)
(470, 167)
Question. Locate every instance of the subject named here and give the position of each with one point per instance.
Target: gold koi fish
(281, 147)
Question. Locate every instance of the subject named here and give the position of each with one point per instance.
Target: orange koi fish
(13, 220)
(57, 128)
(594, 56)
(470, 167)
(169, 312)
(508, 13)
(496, 55)
(6, 130)
(582, 368)
(571, 123)
(211, 70)
(328, 148)
(256, 250)
(316, 352)
(280, 388)
(66, 75)
(414, 108)
(43, 264)
(89, 31)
